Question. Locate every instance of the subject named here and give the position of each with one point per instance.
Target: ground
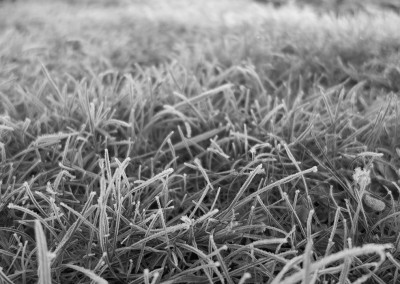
(216, 142)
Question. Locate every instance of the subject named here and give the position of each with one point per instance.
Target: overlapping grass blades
(226, 150)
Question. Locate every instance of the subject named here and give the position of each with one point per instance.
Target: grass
(225, 142)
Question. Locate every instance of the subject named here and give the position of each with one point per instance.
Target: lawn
(211, 142)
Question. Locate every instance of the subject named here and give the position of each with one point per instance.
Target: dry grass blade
(308, 251)
(51, 139)
(53, 85)
(44, 262)
(270, 114)
(197, 139)
(6, 128)
(340, 256)
(250, 197)
(4, 278)
(169, 230)
(207, 260)
(233, 204)
(203, 96)
(95, 278)
(224, 268)
(143, 184)
(71, 230)
(35, 216)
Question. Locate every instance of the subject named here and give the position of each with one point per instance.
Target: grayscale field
(199, 141)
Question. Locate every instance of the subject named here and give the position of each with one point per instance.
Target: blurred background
(85, 37)
(338, 6)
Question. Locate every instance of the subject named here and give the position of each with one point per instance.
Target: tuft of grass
(226, 142)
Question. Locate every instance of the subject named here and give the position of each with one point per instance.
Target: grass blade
(44, 269)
